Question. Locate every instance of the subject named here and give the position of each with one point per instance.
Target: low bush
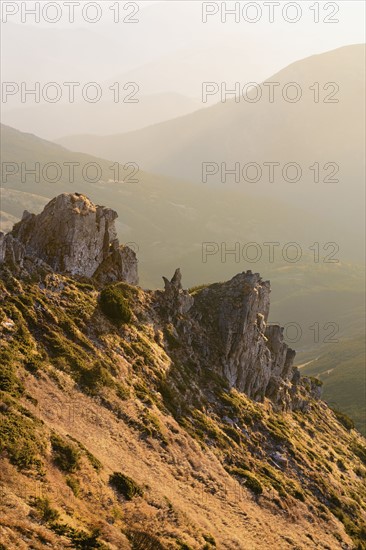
(9, 381)
(74, 485)
(32, 364)
(45, 510)
(248, 479)
(125, 486)
(209, 538)
(18, 438)
(115, 305)
(91, 380)
(66, 456)
(80, 539)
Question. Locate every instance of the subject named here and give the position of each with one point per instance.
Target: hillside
(341, 368)
(157, 419)
(167, 221)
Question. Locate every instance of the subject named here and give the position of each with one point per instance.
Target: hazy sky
(168, 49)
(173, 28)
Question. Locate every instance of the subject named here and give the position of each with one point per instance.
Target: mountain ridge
(163, 419)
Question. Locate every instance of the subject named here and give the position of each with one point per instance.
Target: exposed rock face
(176, 299)
(72, 235)
(226, 327)
(222, 328)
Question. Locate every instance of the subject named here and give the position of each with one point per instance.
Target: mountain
(134, 419)
(329, 132)
(230, 131)
(168, 221)
(49, 121)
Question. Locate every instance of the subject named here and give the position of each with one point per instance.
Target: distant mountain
(50, 121)
(259, 131)
(306, 132)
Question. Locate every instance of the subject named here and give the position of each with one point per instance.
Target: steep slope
(342, 371)
(163, 420)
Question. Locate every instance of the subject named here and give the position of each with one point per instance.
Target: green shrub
(298, 494)
(9, 381)
(74, 485)
(209, 538)
(32, 364)
(19, 439)
(122, 391)
(143, 393)
(79, 539)
(114, 304)
(97, 465)
(45, 510)
(125, 486)
(249, 479)
(91, 380)
(66, 456)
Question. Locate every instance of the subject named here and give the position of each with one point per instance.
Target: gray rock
(224, 329)
(176, 301)
(252, 356)
(72, 235)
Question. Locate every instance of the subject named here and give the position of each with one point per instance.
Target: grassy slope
(202, 480)
(341, 367)
(168, 220)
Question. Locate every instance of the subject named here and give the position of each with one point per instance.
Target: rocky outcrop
(176, 300)
(72, 235)
(227, 329)
(222, 328)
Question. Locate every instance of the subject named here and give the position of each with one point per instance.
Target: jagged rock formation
(72, 235)
(226, 327)
(177, 300)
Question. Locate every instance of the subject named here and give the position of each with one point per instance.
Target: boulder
(72, 235)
